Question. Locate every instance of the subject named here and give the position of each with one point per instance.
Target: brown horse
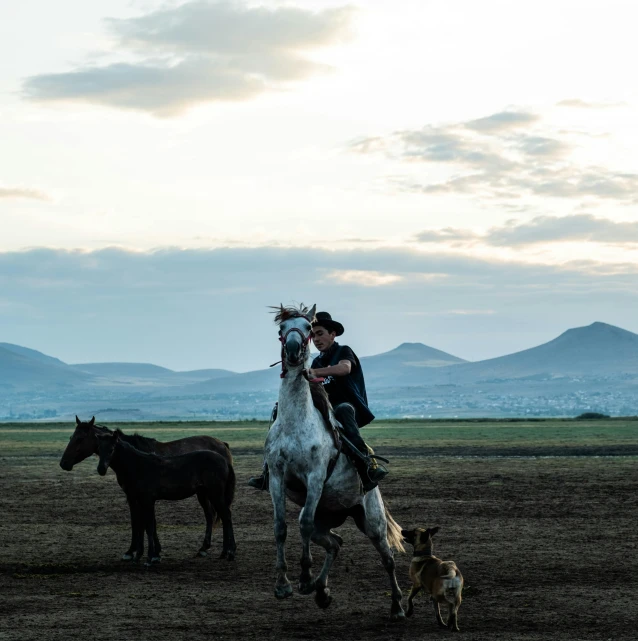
(83, 443)
(146, 478)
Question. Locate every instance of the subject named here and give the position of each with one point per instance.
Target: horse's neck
(122, 463)
(295, 400)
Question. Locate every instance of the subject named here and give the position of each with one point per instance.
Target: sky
(456, 173)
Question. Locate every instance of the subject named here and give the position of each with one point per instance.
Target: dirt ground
(547, 547)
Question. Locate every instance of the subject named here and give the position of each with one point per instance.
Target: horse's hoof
(409, 612)
(398, 617)
(202, 553)
(127, 557)
(283, 591)
(323, 598)
(156, 559)
(307, 587)
(230, 555)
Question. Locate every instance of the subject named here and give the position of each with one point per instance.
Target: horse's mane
(139, 442)
(321, 401)
(283, 313)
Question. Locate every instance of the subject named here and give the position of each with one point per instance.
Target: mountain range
(596, 352)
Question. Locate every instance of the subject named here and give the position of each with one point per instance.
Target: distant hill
(32, 354)
(403, 360)
(22, 369)
(128, 370)
(147, 374)
(381, 369)
(597, 349)
(207, 374)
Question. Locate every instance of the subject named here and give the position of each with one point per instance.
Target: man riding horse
(343, 378)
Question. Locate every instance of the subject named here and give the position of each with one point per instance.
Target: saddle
(341, 442)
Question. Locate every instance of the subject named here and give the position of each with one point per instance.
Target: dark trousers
(345, 414)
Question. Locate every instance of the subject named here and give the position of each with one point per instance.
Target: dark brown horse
(83, 443)
(146, 478)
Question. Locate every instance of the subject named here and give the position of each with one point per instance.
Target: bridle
(284, 337)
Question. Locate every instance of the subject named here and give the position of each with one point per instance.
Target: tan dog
(442, 580)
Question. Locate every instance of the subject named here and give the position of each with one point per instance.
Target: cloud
(583, 104)
(447, 234)
(364, 278)
(541, 229)
(492, 158)
(11, 193)
(580, 227)
(502, 121)
(200, 52)
(208, 308)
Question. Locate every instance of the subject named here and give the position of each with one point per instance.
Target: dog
(442, 580)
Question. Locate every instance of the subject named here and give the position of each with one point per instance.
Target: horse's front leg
(148, 516)
(129, 555)
(323, 537)
(137, 523)
(307, 584)
(283, 588)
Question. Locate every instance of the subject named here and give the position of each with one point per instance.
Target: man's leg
(370, 473)
(261, 482)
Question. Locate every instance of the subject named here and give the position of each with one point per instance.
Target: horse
(83, 443)
(299, 449)
(146, 478)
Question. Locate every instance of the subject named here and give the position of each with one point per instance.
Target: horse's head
(106, 444)
(83, 443)
(295, 332)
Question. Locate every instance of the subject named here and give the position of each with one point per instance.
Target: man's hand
(342, 368)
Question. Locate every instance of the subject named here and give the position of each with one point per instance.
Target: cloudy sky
(457, 173)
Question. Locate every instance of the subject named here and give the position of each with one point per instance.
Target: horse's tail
(395, 538)
(229, 454)
(229, 490)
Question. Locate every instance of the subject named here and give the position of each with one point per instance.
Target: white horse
(298, 450)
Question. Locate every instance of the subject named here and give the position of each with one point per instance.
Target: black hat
(325, 320)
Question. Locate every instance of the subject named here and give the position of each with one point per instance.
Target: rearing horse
(298, 450)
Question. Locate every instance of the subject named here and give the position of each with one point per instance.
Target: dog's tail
(395, 539)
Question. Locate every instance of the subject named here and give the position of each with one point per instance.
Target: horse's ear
(77, 420)
(312, 312)
(92, 421)
(117, 435)
(434, 530)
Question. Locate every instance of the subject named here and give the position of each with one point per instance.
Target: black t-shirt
(346, 389)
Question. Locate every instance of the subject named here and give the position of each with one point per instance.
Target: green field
(49, 439)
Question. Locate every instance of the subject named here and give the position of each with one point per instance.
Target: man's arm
(342, 368)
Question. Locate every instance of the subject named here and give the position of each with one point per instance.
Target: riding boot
(260, 482)
(369, 471)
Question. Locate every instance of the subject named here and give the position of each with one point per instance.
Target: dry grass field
(547, 546)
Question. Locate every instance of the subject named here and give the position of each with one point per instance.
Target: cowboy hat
(324, 319)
